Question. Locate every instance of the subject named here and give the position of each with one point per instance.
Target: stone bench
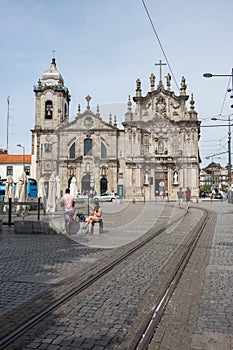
(98, 227)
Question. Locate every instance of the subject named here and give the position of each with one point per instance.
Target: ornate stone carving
(88, 122)
(161, 105)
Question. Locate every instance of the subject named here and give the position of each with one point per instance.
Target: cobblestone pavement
(101, 317)
(200, 314)
(31, 264)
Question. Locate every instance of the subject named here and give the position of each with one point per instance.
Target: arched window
(72, 150)
(103, 151)
(48, 109)
(88, 147)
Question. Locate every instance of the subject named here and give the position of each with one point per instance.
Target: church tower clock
(51, 112)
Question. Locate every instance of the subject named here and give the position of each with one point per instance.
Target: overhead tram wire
(160, 44)
(225, 96)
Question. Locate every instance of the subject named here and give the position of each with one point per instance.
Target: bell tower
(52, 100)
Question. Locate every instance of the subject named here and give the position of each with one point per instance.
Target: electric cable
(225, 96)
(160, 44)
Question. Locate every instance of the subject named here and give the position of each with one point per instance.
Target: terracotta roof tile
(15, 158)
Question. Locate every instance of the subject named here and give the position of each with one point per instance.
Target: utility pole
(7, 125)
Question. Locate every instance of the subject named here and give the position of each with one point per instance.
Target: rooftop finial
(88, 98)
(129, 104)
(110, 118)
(98, 110)
(192, 102)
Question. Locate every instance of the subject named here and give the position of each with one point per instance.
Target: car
(205, 195)
(107, 197)
(218, 195)
(81, 198)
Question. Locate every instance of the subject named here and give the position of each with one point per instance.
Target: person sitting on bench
(95, 216)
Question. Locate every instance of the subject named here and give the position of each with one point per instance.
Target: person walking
(164, 194)
(67, 202)
(180, 196)
(188, 197)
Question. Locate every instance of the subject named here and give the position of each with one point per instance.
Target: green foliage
(206, 188)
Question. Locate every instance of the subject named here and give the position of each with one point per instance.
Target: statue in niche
(88, 167)
(160, 146)
(103, 171)
(146, 178)
(175, 177)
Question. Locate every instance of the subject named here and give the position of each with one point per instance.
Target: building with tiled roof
(14, 164)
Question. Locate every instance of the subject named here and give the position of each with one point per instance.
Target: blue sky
(103, 46)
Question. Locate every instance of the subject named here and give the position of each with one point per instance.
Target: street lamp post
(19, 145)
(229, 148)
(210, 75)
(41, 154)
(229, 153)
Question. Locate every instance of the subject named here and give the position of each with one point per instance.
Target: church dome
(52, 75)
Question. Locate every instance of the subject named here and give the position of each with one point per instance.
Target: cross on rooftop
(160, 68)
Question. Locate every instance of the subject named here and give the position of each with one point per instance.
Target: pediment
(166, 105)
(88, 121)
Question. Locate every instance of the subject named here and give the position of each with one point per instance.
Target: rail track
(146, 333)
(168, 276)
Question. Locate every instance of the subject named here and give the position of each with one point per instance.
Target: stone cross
(160, 68)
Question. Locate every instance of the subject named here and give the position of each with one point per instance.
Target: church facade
(155, 151)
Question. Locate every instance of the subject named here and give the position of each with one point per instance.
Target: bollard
(38, 209)
(10, 212)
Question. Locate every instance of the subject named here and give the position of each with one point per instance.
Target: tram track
(98, 273)
(146, 333)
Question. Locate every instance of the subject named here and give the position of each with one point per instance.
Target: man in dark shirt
(188, 197)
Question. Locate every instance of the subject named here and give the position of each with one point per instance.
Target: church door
(85, 186)
(103, 185)
(160, 183)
